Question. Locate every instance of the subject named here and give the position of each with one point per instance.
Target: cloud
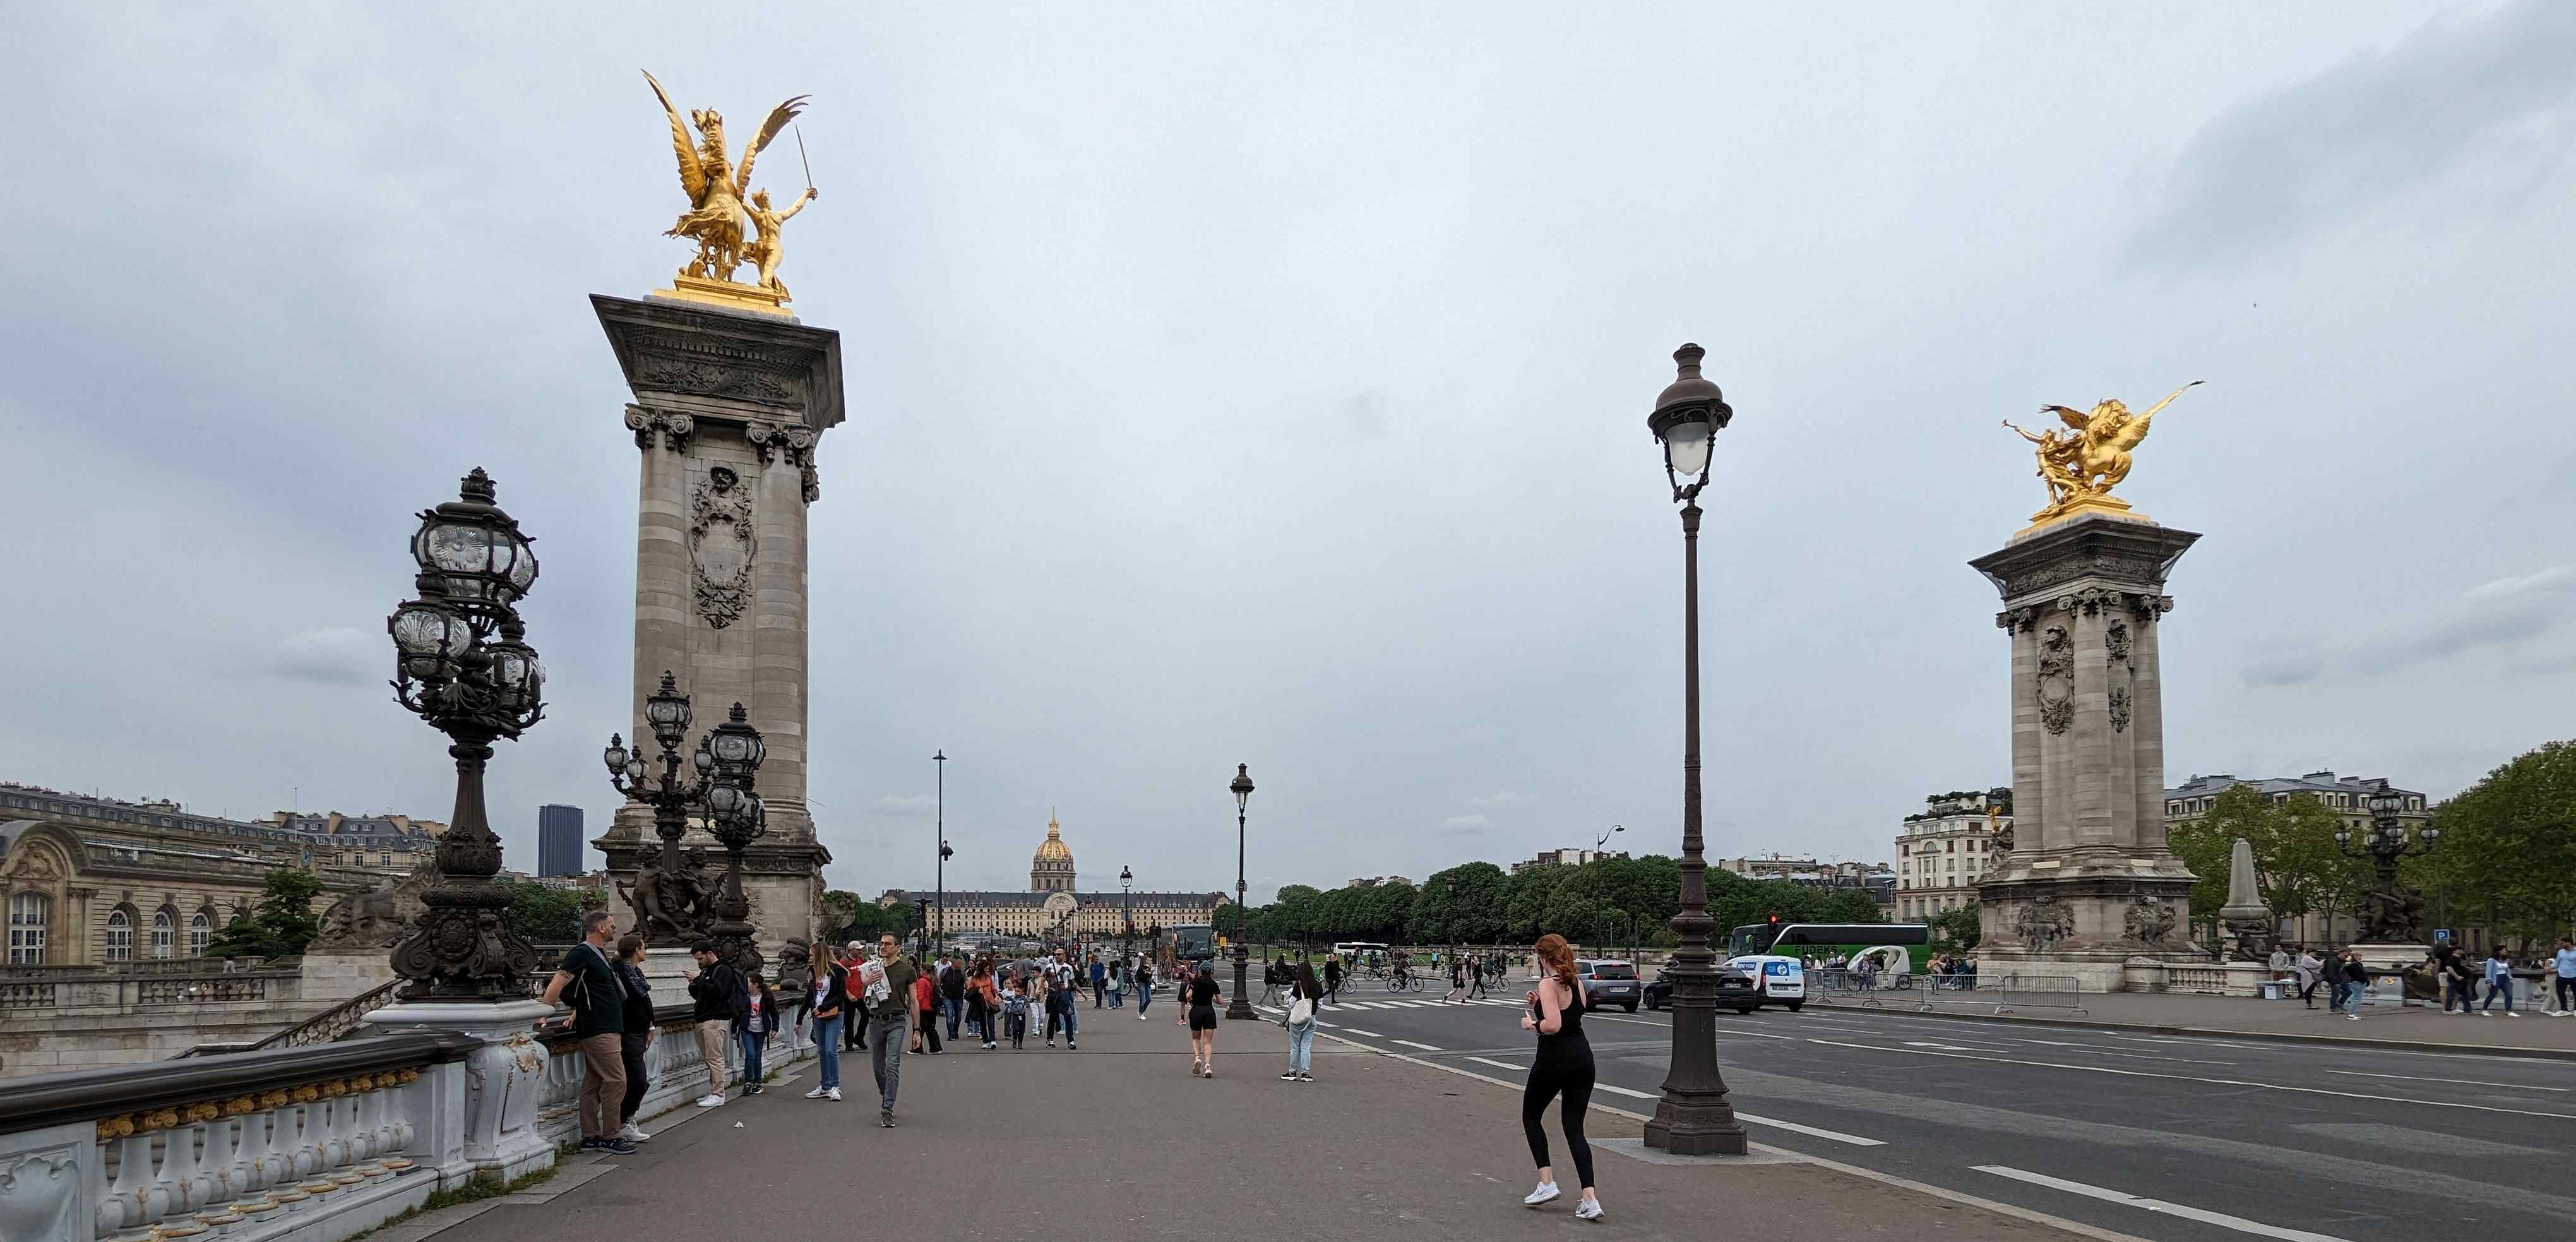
(909, 805)
(1364, 416)
(2504, 613)
(1499, 798)
(2287, 669)
(2494, 88)
(333, 655)
(1464, 825)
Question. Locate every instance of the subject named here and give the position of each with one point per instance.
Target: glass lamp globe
(615, 755)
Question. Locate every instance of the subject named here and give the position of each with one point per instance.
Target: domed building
(1055, 906)
(1052, 870)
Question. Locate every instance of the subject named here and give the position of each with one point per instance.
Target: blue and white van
(1777, 980)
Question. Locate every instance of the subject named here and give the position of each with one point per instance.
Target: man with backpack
(717, 1002)
(598, 1000)
(952, 994)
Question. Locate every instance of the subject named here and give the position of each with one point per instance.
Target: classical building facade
(2346, 796)
(1944, 849)
(87, 881)
(1054, 905)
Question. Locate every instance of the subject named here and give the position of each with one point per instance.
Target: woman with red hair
(1563, 1067)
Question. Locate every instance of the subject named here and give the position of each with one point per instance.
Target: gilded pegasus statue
(717, 186)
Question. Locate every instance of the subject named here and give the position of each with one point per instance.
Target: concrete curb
(2285, 1037)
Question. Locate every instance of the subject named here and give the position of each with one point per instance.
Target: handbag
(1302, 1012)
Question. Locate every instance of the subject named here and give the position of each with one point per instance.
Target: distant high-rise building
(559, 840)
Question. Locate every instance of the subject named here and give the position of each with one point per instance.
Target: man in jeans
(952, 994)
(716, 998)
(598, 1001)
(891, 1010)
(2565, 975)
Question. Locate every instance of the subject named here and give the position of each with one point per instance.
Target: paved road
(2179, 1139)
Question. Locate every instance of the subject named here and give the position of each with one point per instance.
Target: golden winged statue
(2083, 463)
(717, 187)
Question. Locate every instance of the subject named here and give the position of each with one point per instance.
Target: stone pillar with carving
(2089, 883)
(729, 409)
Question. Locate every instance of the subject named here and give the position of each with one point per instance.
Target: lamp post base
(1240, 1008)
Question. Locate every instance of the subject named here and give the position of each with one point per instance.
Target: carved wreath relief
(2123, 674)
(2056, 681)
(720, 546)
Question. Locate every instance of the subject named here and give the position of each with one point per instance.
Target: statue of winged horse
(715, 185)
(2104, 436)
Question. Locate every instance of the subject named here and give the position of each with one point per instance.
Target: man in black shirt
(598, 999)
(718, 1000)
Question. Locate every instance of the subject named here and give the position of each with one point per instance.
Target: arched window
(28, 913)
(201, 931)
(120, 935)
(165, 924)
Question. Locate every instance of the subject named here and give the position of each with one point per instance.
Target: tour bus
(1780, 978)
(1192, 942)
(1360, 952)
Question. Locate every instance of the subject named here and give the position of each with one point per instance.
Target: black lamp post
(1604, 838)
(736, 816)
(461, 665)
(939, 885)
(2396, 912)
(1126, 913)
(666, 897)
(1693, 1118)
(1241, 1006)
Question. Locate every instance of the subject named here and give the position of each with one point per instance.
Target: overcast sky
(1231, 387)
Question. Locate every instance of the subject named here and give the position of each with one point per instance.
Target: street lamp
(1693, 1118)
(665, 897)
(939, 884)
(1241, 1006)
(2396, 912)
(1604, 838)
(1126, 913)
(462, 665)
(736, 816)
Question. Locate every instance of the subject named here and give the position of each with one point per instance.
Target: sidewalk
(1119, 1141)
(2415, 1026)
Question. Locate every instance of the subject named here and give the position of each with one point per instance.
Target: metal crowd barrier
(2041, 992)
(1871, 989)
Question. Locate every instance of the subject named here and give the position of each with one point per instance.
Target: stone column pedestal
(490, 1099)
(2089, 885)
(730, 409)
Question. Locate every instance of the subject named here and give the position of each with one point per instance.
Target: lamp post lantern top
(1242, 785)
(1688, 413)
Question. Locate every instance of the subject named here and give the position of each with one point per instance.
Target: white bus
(1360, 951)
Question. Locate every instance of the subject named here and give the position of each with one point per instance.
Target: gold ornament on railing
(2083, 463)
(731, 223)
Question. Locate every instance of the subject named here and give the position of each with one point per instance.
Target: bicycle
(1404, 981)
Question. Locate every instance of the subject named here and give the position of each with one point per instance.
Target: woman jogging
(1563, 1067)
(1304, 993)
(1199, 1013)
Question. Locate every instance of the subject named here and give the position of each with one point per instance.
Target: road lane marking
(1499, 1064)
(2203, 1215)
(1642, 1095)
(2465, 1082)
(1410, 1044)
(1818, 1131)
(1357, 1031)
(2222, 1082)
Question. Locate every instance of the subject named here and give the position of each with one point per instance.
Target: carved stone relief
(2123, 673)
(2043, 921)
(674, 428)
(2148, 920)
(794, 443)
(39, 1192)
(2056, 680)
(721, 544)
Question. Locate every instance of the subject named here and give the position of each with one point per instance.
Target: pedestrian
(2356, 981)
(827, 1002)
(2309, 970)
(715, 1000)
(1332, 978)
(2499, 975)
(759, 1020)
(1099, 981)
(1457, 983)
(2279, 963)
(1117, 984)
(952, 994)
(2564, 964)
(1144, 986)
(925, 995)
(1476, 977)
(1562, 1067)
(887, 982)
(1061, 1005)
(855, 1017)
(1199, 1013)
(585, 980)
(1304, 991)
(2459, 979)
(637, 1037)
(980, 1002)
(1015, 1011)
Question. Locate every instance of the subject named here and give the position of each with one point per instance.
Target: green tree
(280, 924)
(1957, 928)
(2508, 845)
(1462, 905)
(2298, 866)
(545, 915)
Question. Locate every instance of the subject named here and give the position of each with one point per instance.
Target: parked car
(1777, 979)
(1607, 982)
(1734, 989)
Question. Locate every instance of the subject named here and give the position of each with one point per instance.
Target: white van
(1777, 980)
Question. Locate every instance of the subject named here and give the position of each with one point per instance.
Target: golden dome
(1053, 849)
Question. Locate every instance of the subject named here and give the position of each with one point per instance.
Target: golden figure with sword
(728, 231)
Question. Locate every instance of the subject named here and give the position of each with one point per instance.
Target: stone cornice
(711, 363)
(2090, 552)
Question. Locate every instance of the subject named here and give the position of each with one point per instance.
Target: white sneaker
(818, 1093)
(1546, 1191)
(2511, 1014)
(631, 1134)
(1589, 1209)
(834, 1095)
(710, 1100)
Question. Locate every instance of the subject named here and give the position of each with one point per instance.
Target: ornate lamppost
(1126, 913)
(736, 816)
(1693, 1118)
(666, 897)
(940, 830)
(462, 665)
(1241, 1006)
(2394, 911)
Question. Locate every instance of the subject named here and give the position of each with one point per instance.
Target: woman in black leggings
(1563, 1066)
